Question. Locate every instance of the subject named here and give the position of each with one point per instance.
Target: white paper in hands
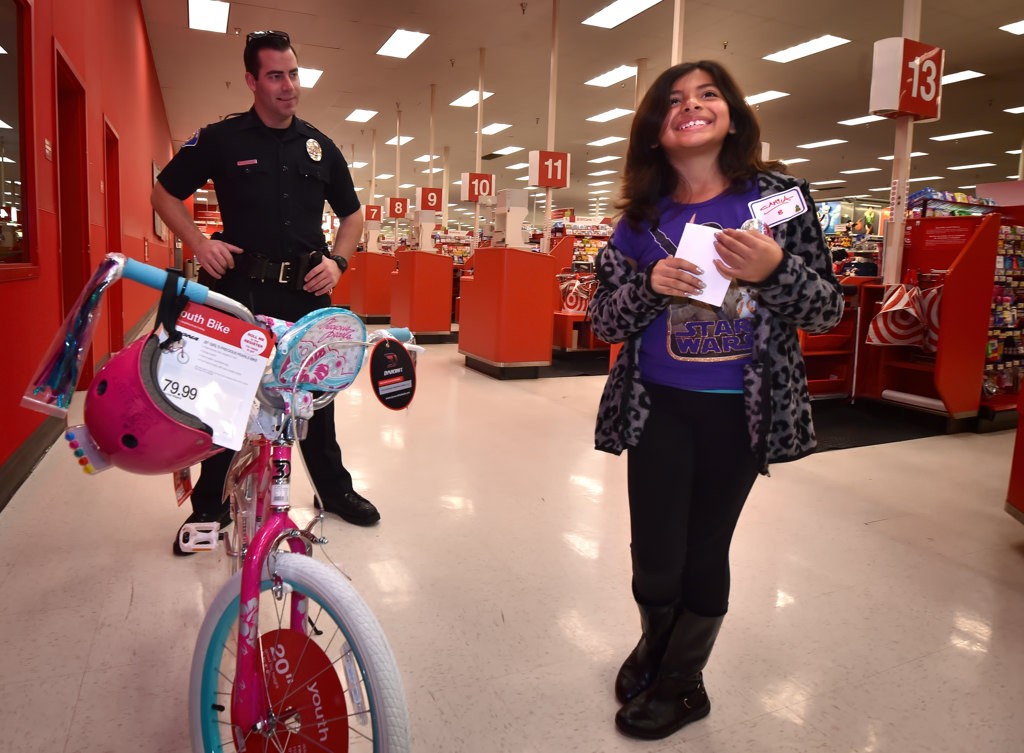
(697, 245)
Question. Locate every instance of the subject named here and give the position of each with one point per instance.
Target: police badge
(314, 150)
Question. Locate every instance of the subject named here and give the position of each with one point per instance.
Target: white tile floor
(877, 601)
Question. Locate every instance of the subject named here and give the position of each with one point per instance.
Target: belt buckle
(285, 266)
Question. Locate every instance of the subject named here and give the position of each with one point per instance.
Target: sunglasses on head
(252, 36)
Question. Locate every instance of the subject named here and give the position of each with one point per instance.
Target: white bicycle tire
(350, 613)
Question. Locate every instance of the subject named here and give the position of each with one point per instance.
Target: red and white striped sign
(909, 316)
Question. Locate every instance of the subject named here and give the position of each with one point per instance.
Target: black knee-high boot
(677, 696)
(638, 671)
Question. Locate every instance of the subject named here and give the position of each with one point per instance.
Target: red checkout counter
(421, 293)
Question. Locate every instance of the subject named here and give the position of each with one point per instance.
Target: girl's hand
(751, 256)
(676, 277)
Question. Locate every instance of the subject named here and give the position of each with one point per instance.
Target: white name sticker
(777, 208)
(214, 370)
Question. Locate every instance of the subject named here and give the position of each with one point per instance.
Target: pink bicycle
(289, 658)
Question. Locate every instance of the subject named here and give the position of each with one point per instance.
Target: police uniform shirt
(271, 183)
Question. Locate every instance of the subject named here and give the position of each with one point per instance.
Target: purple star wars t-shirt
(692, 345)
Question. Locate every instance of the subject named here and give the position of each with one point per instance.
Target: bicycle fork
(249, 704)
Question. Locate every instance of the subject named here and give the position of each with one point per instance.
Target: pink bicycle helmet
(132, 422)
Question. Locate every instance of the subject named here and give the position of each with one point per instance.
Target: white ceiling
(201, 75)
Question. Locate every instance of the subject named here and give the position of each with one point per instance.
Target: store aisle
(878, 593)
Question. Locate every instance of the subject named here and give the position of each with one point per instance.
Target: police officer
(272, 173)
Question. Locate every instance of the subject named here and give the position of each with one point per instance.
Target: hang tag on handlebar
(392, 374)
(214, 370)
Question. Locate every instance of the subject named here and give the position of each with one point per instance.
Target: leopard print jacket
(801, 293)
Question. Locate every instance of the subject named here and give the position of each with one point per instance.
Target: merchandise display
(1004, 355)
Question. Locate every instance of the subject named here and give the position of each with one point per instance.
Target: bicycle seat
(322, 351)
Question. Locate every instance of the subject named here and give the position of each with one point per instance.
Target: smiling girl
(702, 397)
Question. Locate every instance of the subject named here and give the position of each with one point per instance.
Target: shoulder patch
(308, 125)
(193, 140)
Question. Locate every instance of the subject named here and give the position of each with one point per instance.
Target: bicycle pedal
(199, 537)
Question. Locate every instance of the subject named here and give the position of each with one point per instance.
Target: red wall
(106, 46)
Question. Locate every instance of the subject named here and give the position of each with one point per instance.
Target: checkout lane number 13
(925, 83)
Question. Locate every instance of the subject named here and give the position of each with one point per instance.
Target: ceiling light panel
(1015, 110)
(812, 47)
(425, 158)
(493, 128)
(508, 150)
(360, 116)
(819, 144)
(953, 78)
(794, 160)
(890, 158)
(308, 77)
(399, 140)
(618, 12)
(606, 141)
(964, 135)
(1014, 28)
(402, 43)
(470, 98)
(599, 173)
(208, 15)
(972, 167)
(768, 96)
(612, 114)
(861, 120)
(861, 170)
(606, 158)
(613, 76)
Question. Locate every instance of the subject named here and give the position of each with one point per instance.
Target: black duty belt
(291, 273)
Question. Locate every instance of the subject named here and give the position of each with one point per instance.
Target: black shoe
(663, 709)
(641, 666)
(353, 507)
(223, 517)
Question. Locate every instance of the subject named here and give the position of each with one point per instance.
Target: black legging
(689, 476)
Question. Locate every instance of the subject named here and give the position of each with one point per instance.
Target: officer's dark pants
(320, 447)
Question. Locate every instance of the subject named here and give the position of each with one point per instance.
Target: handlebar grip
(402, 334)
(156, 278)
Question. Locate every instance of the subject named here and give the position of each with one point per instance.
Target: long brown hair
(648, 175)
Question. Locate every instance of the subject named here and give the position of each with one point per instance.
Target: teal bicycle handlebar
(156, 278)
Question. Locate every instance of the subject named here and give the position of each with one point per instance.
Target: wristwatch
(341, 261)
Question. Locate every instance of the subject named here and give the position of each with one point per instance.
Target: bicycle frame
(247, 707)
